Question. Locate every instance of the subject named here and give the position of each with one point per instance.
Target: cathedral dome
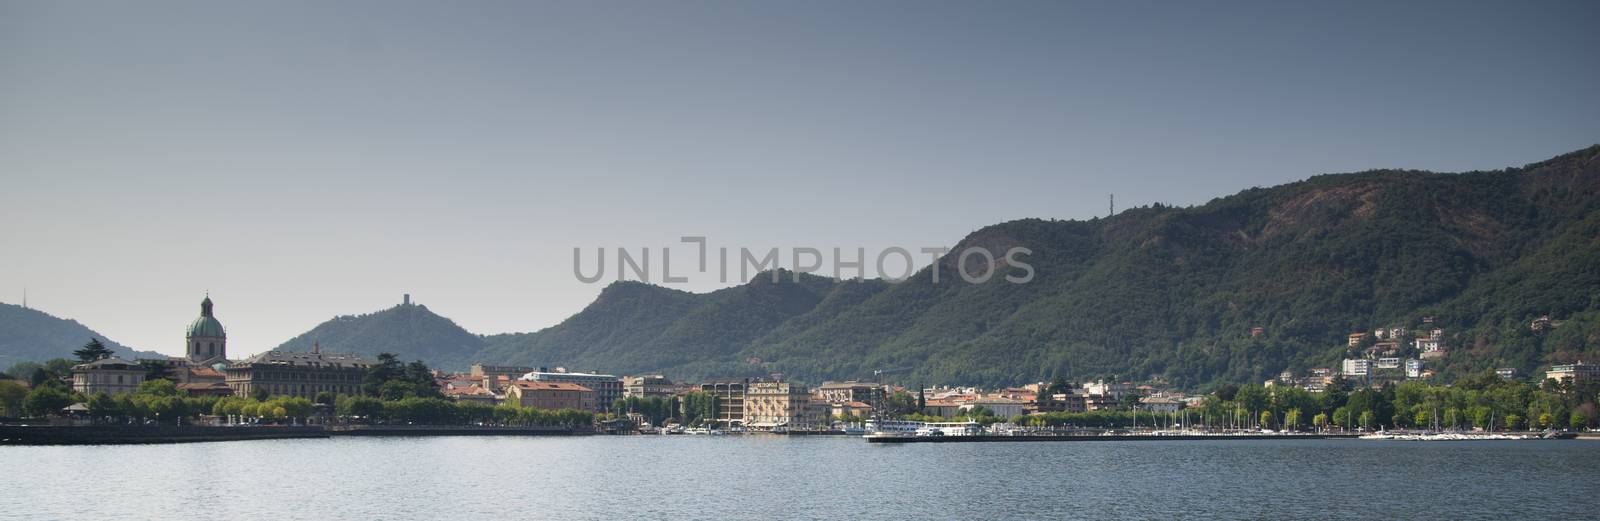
(206, 325)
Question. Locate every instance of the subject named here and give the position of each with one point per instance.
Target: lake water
(752, 477)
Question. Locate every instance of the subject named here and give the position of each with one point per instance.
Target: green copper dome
(206, 325)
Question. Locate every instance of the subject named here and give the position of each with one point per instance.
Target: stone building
(550, 395)
(607, 388)
(297, 373)
(646, 386)
(107, 375)
(852, 391)
(769, 405)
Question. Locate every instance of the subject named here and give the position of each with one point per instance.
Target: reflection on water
(654, 477)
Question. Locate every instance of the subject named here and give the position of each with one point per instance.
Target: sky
(302, 160)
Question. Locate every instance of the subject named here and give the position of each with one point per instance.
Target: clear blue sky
(308, 159)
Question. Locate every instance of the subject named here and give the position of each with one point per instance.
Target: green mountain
(409, 330)
(30, 335)
(633, 326)
(1160, 292)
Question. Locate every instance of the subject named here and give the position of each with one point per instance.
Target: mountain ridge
(31, 335)
(1153, 292)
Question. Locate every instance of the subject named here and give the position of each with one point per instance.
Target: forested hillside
(410, 331)
(1162, 292)
(30, 335)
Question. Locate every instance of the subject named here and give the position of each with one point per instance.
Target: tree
(45, 401)
(156, 369)
(11, 396)
(388, 368)
(1291, 420)
(1579, 420)
(157, 388)
(901, 403)
(1367, 419)
(1266, 419)
(1335, 395)
(94, 350)
(102, 405)
(1320, 421)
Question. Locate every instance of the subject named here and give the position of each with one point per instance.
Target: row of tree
(1482, 401)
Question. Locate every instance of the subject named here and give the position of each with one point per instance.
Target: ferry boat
(966, 428)
(892, 427)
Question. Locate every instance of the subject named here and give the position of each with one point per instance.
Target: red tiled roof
(205, 372)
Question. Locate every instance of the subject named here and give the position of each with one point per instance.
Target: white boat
(893, 427)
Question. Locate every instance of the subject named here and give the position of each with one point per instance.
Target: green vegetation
(410, 331)
(156, 401)
(29, 334)
(1161, 292)
(698, 408)
(439, 411)
(391, 380)
(1481, 401)
(656, 410)
(94, 350)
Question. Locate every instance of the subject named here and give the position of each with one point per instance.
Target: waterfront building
(816, 415)
(469, 393)
(1387, 363)
(1101, 402)
(550, 395)
(646, 386)
(1001, 407)
(777, 404)
(852, 391)
(1160, 404)
(107, 375)
(847, 409)
(1062, 402)
(607, 388)
(946, 407)
(1355, 339)
(1506, 372)
(1574, 373)
(299, 374)
(730, 401)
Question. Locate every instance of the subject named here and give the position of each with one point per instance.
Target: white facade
(1413, 368)
(1357, 367)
